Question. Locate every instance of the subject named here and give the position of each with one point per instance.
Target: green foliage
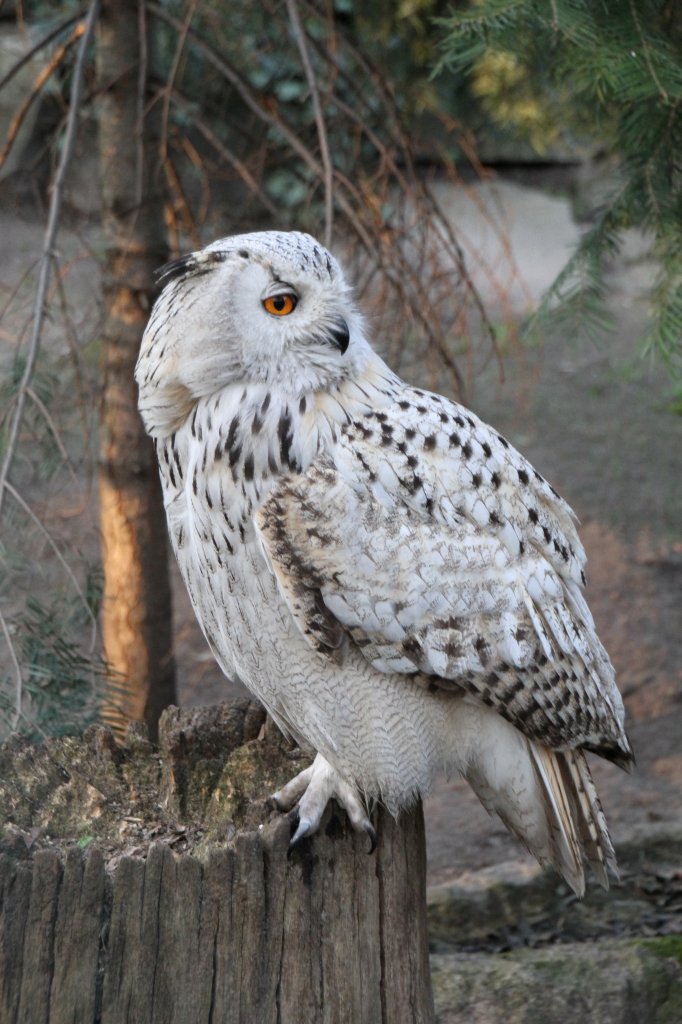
(501, 83)
(399, 39)
(613, 69)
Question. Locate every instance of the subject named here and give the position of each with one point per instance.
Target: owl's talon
(315, 787)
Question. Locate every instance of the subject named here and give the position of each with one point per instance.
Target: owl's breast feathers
(422, 537)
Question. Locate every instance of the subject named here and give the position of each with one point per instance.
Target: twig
(243, 89)
(391, 124)
(172, 75)
(179, 209)
(18, 677)
(16, 289)
(197, 162)
(234, 161)
(48, 245)
(36, 89)
(299, 36)
(270, 118)
(45, 41)
(52, 427)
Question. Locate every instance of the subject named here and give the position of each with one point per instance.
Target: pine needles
(612, 70)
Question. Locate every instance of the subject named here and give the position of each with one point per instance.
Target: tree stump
(157, 886)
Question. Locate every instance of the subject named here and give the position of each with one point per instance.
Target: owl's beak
(339, 335)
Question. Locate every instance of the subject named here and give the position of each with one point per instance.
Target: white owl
(395, 583)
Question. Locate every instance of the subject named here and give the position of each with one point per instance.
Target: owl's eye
(280, 305)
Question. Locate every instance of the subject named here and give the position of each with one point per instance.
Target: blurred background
(503, 182)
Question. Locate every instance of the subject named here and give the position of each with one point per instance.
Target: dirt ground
(599, 423)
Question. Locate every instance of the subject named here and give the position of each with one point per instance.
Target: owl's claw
(303, 829)
(315, 787)
(372, 833)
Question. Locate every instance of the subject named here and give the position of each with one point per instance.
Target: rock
(481, 904)
(518, 904)
(511, 945)
(610, 982)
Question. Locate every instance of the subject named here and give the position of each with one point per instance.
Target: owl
(400, 588)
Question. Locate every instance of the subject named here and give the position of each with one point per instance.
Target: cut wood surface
(239, 930)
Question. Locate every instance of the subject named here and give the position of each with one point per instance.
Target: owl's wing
(434, 546)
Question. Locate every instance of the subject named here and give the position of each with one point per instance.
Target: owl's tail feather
(547, 799)
(588, 813)
(576, 823)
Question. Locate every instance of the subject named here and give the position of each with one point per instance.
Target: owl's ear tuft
(176, 269)
(193, 264)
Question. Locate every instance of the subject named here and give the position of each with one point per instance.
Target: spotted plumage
(394, 581)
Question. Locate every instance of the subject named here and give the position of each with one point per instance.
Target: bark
(326, 935)
(136, 611)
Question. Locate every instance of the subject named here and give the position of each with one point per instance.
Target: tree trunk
(136, 609)
(235, 931)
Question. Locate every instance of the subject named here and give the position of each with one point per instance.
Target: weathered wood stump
(116, 907)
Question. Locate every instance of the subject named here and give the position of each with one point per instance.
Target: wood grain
(252, 933)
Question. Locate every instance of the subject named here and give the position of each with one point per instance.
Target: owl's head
(268, 307)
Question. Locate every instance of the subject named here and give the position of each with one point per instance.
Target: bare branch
(300, 37)
(234, 161)
(73, 341)
(192, 154)
(45, 41)
(413, 243)
(180, 206)
(244, 90)
(36, 89)
(48, 245)
(17, 288)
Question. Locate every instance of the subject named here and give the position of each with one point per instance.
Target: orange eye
(280, 305)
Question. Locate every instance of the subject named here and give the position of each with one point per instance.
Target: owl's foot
(314, 788)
